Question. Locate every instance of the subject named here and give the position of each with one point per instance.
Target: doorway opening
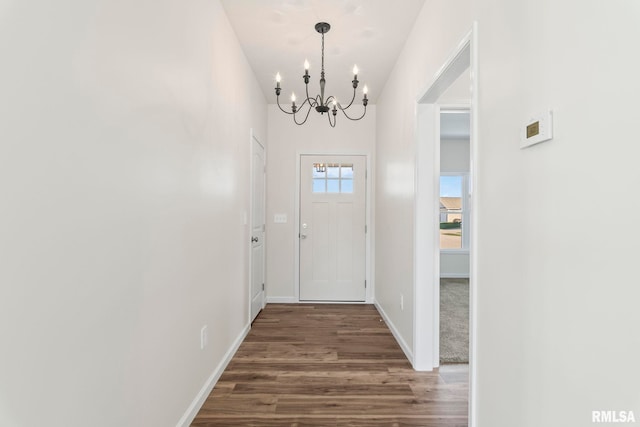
(436, 98)
(454, 224)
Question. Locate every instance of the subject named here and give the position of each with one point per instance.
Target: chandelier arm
(329, 99)
(351, 103)
(334, 120)
(281, 109)
(306, 88)
(312, 101)
(347, 116)
(305, 118)
(306, 101)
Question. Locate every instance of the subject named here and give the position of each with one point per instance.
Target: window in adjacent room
(454, 224)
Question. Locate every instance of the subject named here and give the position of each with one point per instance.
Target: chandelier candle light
(320, 103)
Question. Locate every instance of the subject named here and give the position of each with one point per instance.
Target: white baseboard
(293, 300)
(197, 403)
(403, 345)
(282, 300)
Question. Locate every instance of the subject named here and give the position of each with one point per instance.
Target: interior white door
(332, 228)
(257, 228)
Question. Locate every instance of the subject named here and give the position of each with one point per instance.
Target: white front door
(257, 227)
(332, 228)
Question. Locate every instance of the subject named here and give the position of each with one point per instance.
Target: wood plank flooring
(332, 366)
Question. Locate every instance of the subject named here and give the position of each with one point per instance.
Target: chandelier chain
(323, 54)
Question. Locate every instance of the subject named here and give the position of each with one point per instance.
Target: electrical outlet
(203, 337)
(401, 302)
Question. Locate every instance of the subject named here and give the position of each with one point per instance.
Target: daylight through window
(452, 211)
(332, 178)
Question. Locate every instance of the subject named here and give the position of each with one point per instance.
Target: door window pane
(346, 186)
(346, 171)
(333, 186)
(332, 177)
(319, 186)
(319, 170)
(333, 171)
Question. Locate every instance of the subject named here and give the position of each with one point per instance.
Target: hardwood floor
(330, 365)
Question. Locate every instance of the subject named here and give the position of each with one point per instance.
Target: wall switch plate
(538, 129)
(203, 337)
(280, 218)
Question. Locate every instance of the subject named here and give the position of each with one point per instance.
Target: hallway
(127, 232)
(331, 365)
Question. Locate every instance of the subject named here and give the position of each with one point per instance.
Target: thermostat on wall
(539, 129)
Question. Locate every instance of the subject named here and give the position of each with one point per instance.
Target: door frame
(368, 219)
(426, 240)
(248, 224)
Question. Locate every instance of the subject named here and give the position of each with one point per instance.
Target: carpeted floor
(454, 320)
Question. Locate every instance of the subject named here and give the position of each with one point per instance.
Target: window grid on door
(332, 178)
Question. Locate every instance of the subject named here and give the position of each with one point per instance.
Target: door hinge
(365, 284)
(263, 286)
(365, 229)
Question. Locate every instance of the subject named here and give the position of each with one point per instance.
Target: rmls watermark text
(613, 417)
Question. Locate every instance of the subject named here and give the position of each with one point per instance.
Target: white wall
(557, 297)
(286, 141)
(124, 153)
(557, 300)
(454, 156)
(454, 265)
(439, 27)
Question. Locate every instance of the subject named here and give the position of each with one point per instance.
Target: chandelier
(320, 103)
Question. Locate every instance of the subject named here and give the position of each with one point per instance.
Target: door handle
(303, 236)
(254, 240)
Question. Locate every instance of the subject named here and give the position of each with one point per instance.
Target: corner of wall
(396, 334)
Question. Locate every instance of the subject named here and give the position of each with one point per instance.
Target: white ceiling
(278, 35)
